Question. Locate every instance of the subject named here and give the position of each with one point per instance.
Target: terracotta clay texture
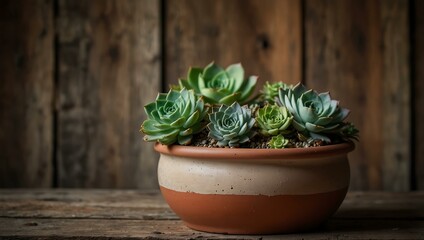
(251, 191)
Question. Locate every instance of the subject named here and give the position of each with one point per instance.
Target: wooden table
(113, 214)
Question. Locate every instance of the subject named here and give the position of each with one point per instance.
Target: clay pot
(254, 191)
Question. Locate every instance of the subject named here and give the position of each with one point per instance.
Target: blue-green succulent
(273, 120)
(174, 117)
(220, 86)
(315, 115)
(231, 125)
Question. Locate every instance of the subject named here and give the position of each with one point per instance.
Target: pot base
(253, 214)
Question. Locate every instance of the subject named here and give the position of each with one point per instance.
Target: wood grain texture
(265, 36)
(418, 86)
(26, 90)
(132, 204)
(359, 51)
(396, 95)
(109, 68)
(24, 228)
(105, 214)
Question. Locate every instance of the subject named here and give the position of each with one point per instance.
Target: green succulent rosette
(315, 115)
(348, 132)
(273, 120)
(174, 117)
(231, 125)
(218, 85)
(270, 91)
(278, 141)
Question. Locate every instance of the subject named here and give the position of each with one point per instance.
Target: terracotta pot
(254, 191)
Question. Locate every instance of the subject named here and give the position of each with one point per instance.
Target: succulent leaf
(231, 125)
(247, 88)
(193, 76)
(174, 117)
(236, 72)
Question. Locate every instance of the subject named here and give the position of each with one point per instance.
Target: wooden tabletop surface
(127, 214)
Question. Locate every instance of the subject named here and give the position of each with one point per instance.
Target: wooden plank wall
(417, 15)
(108, 67)
(265, 36)
(77, 73)
(26, 93)
(360, 51)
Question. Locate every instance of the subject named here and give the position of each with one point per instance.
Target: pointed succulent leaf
(184, 84)
(149, 108)
(228, 100)
(187, 132)
(236, 72)
(307, 114)
(161, 96)
(247, 88)
(320, 136)
(193, 77)
(149, 127)
(178, 123)
(230, 136)
(299, 126)
(173, 95)
(213, 94)
(323, 121)
(224, 143)
(211, 70)
(193, 119)
(184, 140)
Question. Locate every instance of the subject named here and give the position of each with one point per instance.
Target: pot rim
(250, 153)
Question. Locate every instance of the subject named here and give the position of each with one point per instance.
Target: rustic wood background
(75, 76)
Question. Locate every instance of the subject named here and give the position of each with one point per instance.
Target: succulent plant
(273, 120)
(231, 125)
(270, 91)
(315, 115)
(219, 86)
(278, 141)
(173, 117)
(349, 131)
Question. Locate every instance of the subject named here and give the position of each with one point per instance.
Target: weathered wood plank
(396, 95)
(265, 36)
(150, 205)
(26, 90)
(382, 205)
(103, 214)
(358, 50)
(109, 67)
(84, 204)
(418, 81)
(127, 229)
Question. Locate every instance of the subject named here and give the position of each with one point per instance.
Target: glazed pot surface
(253, 192)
